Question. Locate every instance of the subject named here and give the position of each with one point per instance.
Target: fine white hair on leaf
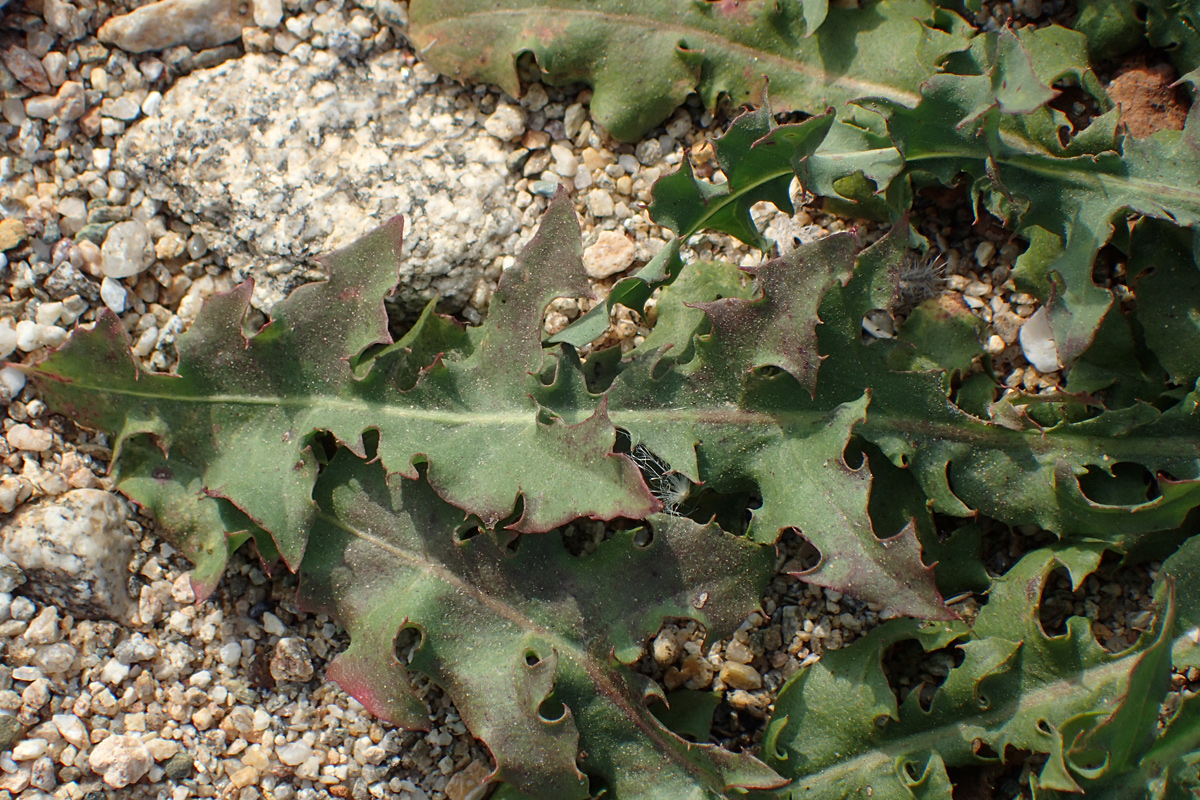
(919, 278)
(670, 487)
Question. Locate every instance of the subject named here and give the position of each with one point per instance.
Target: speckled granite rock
(74, 551)
(277, 161)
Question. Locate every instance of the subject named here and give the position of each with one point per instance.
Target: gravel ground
(124, 685)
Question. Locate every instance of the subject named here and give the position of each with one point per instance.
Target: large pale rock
(199, 24)
(275, 162)
(74, 552)
(120, 760)
(612, 253)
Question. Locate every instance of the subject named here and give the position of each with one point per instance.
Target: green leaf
(531, 644)
(838, 727)
(642, 60)
(944, 334)
(750, 425)
(688, 713)
(757, 159)
(1182, 573)
(995, 125)
(1116, 27)
(960, 460)
(1166, 281)
(680, 320)
(241, 412)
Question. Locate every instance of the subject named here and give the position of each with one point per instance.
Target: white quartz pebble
(28, 336)
(114, 295)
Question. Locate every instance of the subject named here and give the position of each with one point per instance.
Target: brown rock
(120, 760)
(1147, 100)
(12, 233)
(26, 68)
(199, 24)
(63, 19)
(291, 660)
(89, 123)
(469, 783)
(740, 676)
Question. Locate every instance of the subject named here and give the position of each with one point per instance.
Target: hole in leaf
(1079, 107)
(768, 371)
(1005, 779)
(1058, 604)
(1117, 602)
(551, 709)
(370, 442)
(582, 537)
(601, 369)
(597, 786)
(643, 537)
(532, 659)
(984, 750)
(468, 533)
(909, 668)
(324, 446)
(807, 555)
(517, 513)
(1129, 484)
(1004, 546)
(1044, 727)
(407, 642)
(878, 324)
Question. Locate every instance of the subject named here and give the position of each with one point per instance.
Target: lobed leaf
(240, 415)
(838, 725)
(670, 49)
(1008, 466)
(997, 128)
(531, 644)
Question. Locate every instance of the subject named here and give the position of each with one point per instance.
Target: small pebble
(291, 660)
(23, 437)
(566, 163)
(12, 233)
(272, 624)
(12, 380)
(506, 123)
(72, 729)
(127, 250)
(612, 252)
(30, 749)
(114, 295)
(740, 676)
(268, 13)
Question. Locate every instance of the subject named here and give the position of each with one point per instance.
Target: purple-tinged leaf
(530, 644)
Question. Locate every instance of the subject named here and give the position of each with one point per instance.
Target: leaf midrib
(1062, 170)
(968, 432)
